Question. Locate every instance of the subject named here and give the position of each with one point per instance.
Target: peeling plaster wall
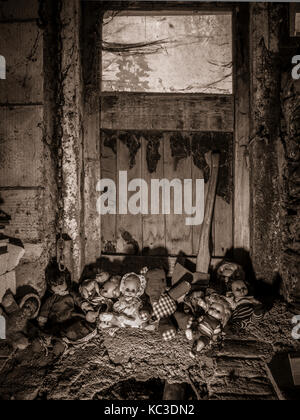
(71, 126)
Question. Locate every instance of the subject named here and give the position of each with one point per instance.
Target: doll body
(206, 329)
(209, 327)
(59, 308)
(129, 310)
(61, 316)
(18, 318)
(246, 309)
(98, 295)
(165, 304)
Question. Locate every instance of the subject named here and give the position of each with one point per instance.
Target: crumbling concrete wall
(27, 189)
(290, 257)
(274, 149)
(264, 141)
(70, 109)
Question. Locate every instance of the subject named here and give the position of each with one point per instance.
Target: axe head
(187, 267)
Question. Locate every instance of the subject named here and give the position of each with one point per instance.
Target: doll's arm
(78, 299)
(119, 306)
(45, 311)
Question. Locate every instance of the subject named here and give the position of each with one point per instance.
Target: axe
(199, 274)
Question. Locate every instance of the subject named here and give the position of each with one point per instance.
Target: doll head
(59, 283)
(217, 311)
(218, 308)
(111, 288)
(238, 288)
(30, 306)
(8, 299)
(230, 271)
(133, 285)
(89, 289)
(102, 277)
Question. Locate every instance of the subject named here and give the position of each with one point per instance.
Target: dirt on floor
(132, 363)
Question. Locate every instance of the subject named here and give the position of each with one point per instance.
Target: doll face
(239, 289)
(30, 308)
(102, 277)
(131, 286)
(111, 289)
(90, 290)
(60, 288)
(217, 311)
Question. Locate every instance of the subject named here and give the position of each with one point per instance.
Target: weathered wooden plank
(21, 146)
(242, 130)
(154, 226)
(26, 210)
(18, 9)
(92, 219)
(179, 236)
(22, 46)
(222, 228)
(197, 174)
(167, 112)
(129, 226)
(108, 170)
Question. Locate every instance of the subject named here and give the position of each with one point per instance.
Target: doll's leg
(202, 342)
(106, 320)
(167, 329)
(19, 341)
(184, 321)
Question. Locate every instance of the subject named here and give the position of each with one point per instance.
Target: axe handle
(204, 256)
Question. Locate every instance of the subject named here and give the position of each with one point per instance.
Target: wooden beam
(175, 112)
(242, 128)
(91, 68)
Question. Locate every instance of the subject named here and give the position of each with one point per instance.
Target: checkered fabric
(165, 307)
(169, 335)
(144, 316)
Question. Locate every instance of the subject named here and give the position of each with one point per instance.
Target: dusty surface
(234, 371)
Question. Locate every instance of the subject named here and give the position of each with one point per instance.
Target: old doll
(129, 310)
(98, 295)
(164, 303)
(62, 304)
(246, 309)
(61, 316)
(208, 327)
(18, 318)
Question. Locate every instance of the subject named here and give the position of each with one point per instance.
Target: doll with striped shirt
(245, 308)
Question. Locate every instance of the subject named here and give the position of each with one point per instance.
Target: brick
(21, 146)
(7, 281)
(239, 367)
(240, 386)
(26, 210)
(246, 349)
(22, 46)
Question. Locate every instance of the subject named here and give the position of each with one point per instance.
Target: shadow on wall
(156, 258)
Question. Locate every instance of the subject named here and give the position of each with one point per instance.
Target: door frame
(91, 37)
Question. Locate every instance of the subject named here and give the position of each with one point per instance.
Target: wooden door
(145, 141)
(154, 135)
